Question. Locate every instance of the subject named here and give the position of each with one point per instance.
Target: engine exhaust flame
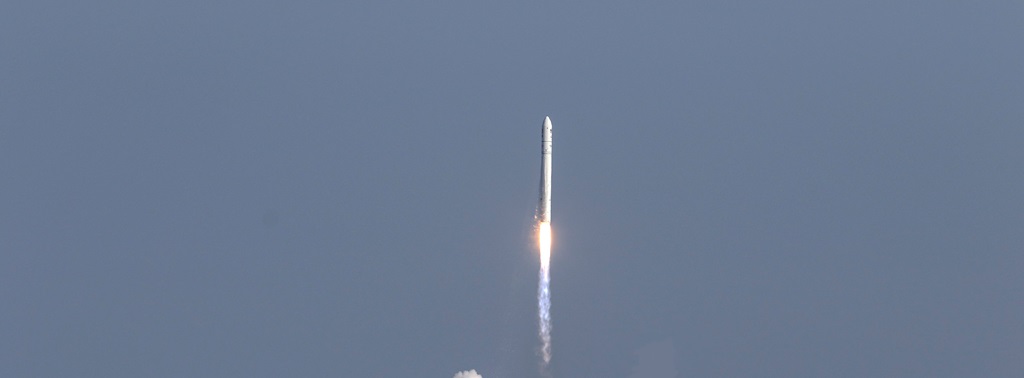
(544, 244)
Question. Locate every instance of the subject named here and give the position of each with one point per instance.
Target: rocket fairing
(544, 208)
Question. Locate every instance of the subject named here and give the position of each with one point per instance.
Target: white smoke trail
(544, 294)
(544, 306)
(467, 374)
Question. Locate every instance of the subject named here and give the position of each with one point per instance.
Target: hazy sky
(319, 189)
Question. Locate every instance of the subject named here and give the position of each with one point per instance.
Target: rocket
(544, 245)
(544, 208)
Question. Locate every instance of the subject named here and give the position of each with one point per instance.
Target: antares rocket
(544, 246)
(544, 211)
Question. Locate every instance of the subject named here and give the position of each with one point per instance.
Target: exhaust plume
(467, 374)
(544, 294)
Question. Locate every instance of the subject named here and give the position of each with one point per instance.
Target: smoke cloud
(467, 374)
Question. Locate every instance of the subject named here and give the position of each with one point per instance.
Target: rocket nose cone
(547, 122)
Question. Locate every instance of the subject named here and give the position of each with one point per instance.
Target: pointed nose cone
(545, 132)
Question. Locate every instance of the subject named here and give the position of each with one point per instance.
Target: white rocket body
(544, 211)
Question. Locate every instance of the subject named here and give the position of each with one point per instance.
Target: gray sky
(238, 189)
